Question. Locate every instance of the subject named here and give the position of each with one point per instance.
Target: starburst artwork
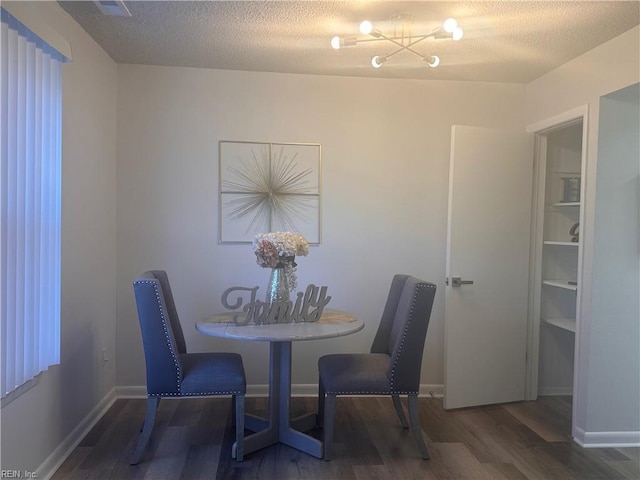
(269, 187)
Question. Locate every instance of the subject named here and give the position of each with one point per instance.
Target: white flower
(279, 249)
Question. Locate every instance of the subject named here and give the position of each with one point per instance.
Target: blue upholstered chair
(171, 371)
(393, 365)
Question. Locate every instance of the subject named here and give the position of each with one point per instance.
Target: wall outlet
(105, 357)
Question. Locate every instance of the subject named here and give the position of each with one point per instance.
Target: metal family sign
(307, 307)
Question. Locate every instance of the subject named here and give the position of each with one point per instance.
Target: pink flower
(280, 248)
(266, 254)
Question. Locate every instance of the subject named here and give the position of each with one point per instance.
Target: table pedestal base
(278, 427)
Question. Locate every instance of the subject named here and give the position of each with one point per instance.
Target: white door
(489, 222)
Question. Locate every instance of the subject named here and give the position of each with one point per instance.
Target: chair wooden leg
(238, 401)
(321, 395)
(233, 411)
(152, 407)
(415, 425)
(398, 406)
(329, 418)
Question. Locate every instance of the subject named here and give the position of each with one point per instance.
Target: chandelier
(402, 38)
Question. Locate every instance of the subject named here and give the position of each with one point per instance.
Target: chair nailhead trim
(372, 393)
(197, 394)
(404, 333)
(166, 334)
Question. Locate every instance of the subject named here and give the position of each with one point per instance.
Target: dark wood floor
(192, 440)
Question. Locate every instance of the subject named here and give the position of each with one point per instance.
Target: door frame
(541, 130)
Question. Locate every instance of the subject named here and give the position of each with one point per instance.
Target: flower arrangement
(278, 249)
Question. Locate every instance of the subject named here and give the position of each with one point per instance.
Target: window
(30, 191)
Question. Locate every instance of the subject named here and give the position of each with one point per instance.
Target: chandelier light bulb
(433, 61)
(366, 27)
(335, 43)
(377, 61)
(450, 24)
(457, 33)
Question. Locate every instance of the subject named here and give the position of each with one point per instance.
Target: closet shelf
(560, 284)
(568, 324)
(564, 244)
(566, 204)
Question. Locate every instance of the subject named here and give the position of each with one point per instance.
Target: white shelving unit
(559, 258)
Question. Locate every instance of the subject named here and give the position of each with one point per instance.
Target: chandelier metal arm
(395, 52)
(449, 30)
(436, 35)
(403, 46)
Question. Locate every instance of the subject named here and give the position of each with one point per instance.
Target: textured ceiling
(504, 41)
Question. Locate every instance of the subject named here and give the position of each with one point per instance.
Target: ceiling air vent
(115, 8)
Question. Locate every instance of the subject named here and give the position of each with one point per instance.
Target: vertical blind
(30, 200)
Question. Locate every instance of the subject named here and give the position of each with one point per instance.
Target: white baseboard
(554, 391)
(606, 439)
(60, 454)
(255, 390)
(262, 390)
(434, 391)
(311, 390)
(133, 391)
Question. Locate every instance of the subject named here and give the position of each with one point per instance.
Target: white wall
(607, 68)
(613, 65)
(615, 321)
(385, 148)
(37, 423)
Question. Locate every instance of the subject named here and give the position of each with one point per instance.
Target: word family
(307, 307)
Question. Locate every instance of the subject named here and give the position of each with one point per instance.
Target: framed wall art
(269, 187)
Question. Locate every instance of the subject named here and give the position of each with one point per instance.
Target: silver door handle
(457, 281)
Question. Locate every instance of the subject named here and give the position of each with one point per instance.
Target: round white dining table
(279, 427)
